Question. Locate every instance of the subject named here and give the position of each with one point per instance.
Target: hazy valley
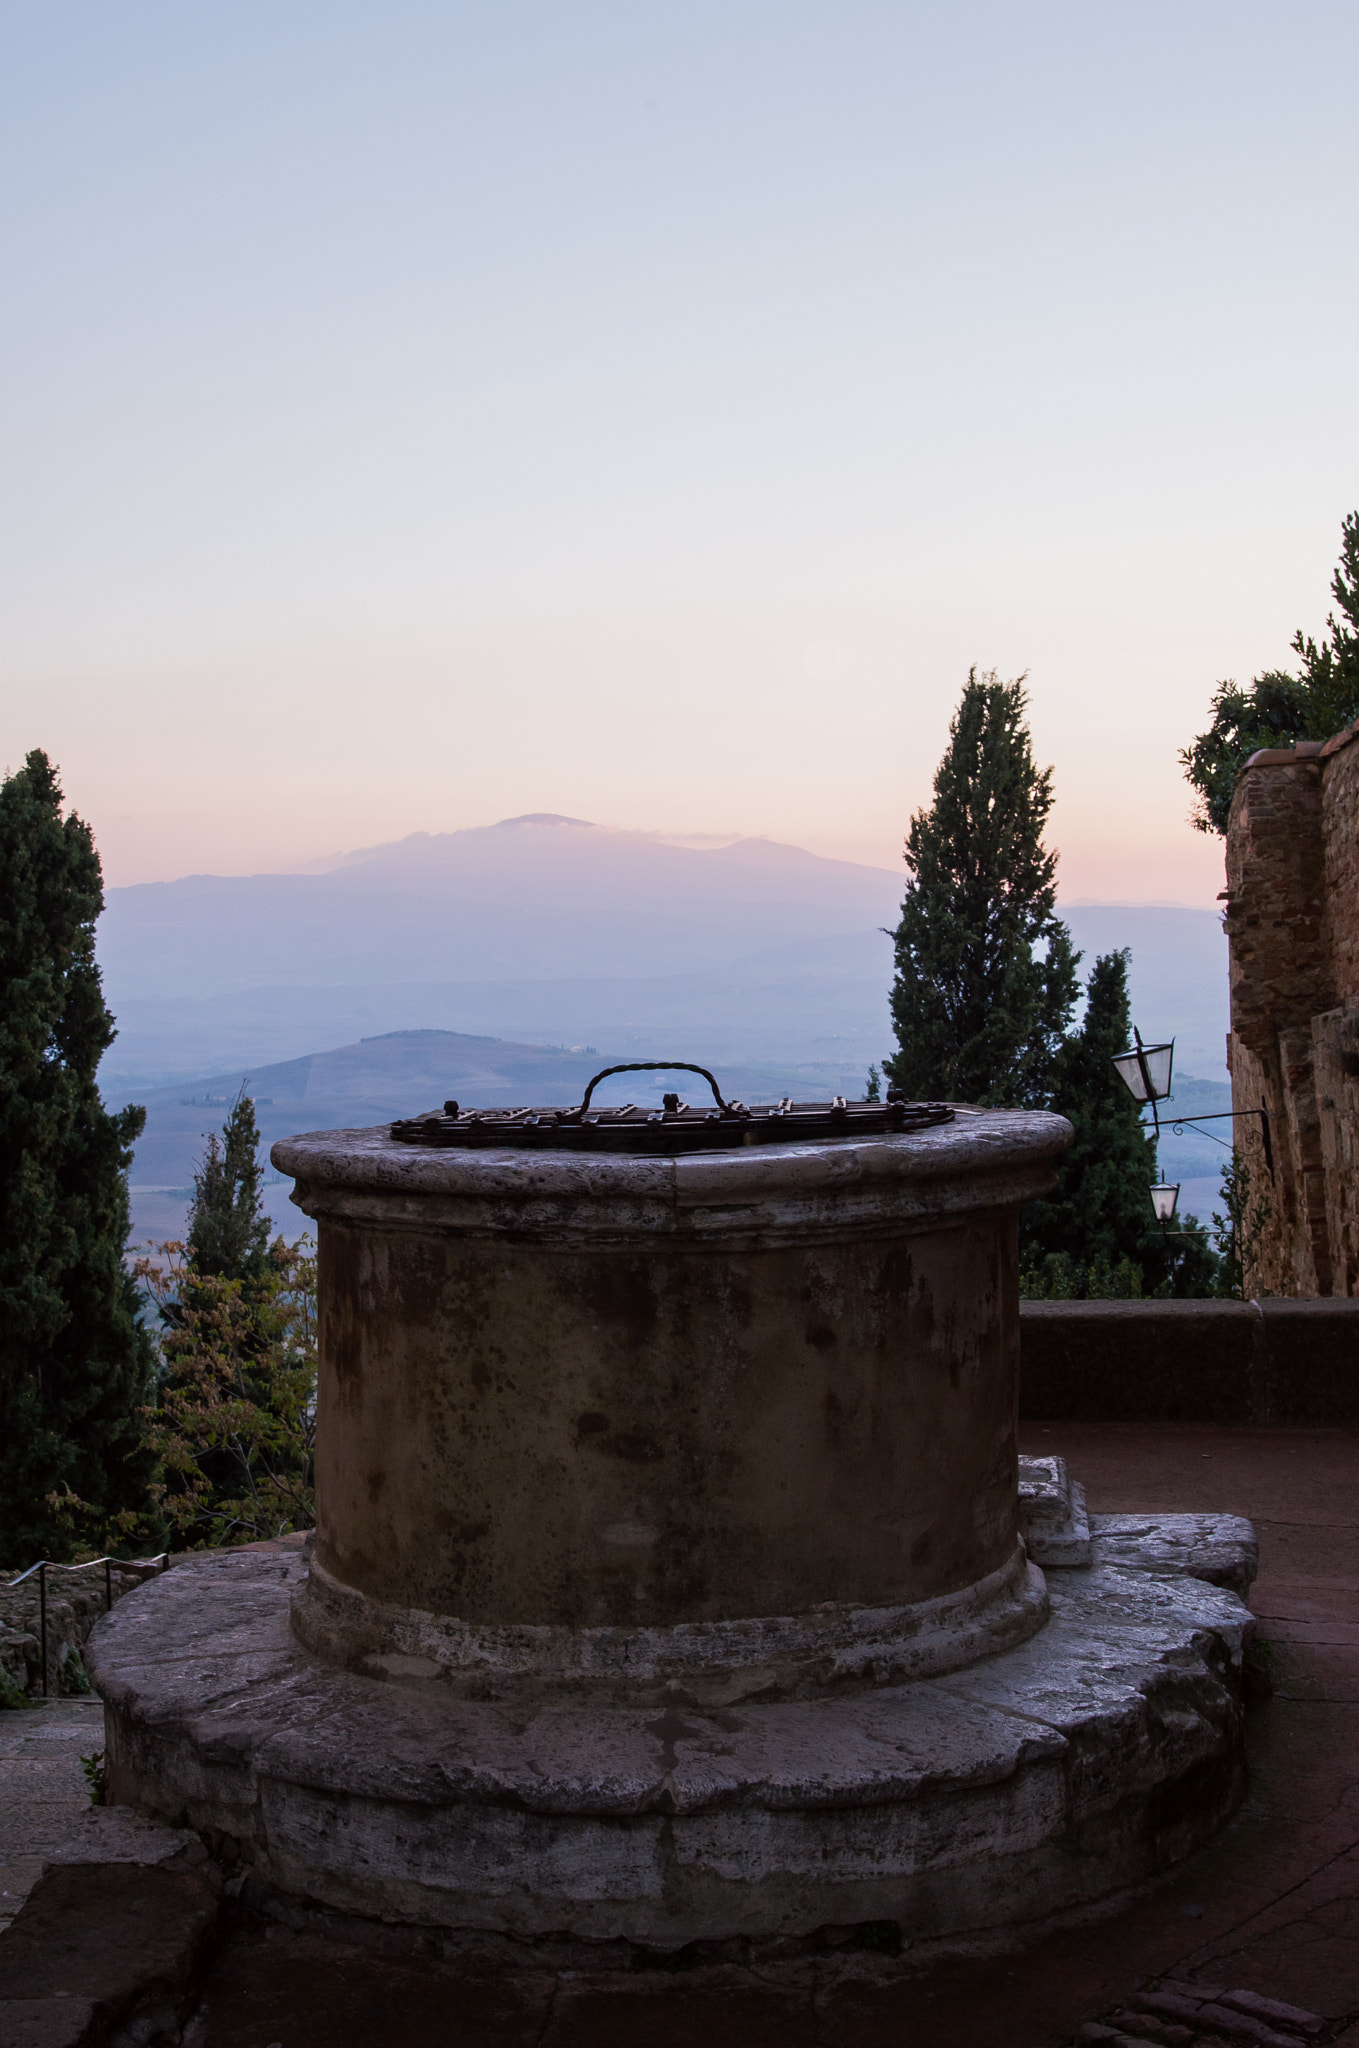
(475, 963)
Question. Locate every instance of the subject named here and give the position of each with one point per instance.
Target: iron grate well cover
(675, 1127)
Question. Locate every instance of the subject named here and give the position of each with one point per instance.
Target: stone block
(1242, 2026)
(49, 2023)
(1083, 1761)
(115, 1834)
(1290, 2017)
(1220, 1549)
(1052, 1514)
(115, 1937)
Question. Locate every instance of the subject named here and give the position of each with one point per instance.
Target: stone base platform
(1006, 1796)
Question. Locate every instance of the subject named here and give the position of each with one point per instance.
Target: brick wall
(1293, 925)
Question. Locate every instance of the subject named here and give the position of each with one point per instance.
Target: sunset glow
(420, 415)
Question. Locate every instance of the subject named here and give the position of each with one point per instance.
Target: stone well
(742, 1419)
(670, 1579)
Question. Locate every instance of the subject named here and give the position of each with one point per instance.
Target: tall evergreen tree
(985, 972)
(1100, 1209)
(1099, 1217)
(1278, 709)
(237, 1398)
(76, 1368)
(228, 1228)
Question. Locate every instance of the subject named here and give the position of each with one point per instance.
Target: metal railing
(161, 1561)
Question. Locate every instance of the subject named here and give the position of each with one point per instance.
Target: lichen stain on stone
(338, 1292)
(621, 1294)
(372, 1278)
(634, 1447)
(458, 1529)
(780, 1414)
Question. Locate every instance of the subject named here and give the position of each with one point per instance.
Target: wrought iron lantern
(1146, 1069)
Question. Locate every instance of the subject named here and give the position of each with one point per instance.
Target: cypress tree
(985, 972)
(76, 1369)
(228, 1229)
(1096, 1233)
(1100, 1209)
(237, 1401)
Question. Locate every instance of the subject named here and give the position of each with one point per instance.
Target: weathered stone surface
(717, 1663)
(1335, 1079)
(1052, 1514)
(1220, 1549)
(48, 2022)
(1293, 924)
(1078, 1763)
(1274, 2010)
(759, 1194)
(76, 1597)
(667, 1584)
(116, 1935)
(43, 1787)
(118, 1834)
(760, 1399)
(1224, 2019)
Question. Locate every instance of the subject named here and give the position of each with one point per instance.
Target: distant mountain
(532, 897)
(550, 928)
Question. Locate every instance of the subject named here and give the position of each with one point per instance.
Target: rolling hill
(398, 1074)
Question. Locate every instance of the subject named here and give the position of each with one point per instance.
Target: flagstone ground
(42, 1787)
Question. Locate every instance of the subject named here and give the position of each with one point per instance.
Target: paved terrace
(1271, 1908)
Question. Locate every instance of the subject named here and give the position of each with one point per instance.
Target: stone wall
(1292, 920)
(76, 1597)
(1190, 1361)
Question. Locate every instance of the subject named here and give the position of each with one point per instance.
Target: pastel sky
(415, 414)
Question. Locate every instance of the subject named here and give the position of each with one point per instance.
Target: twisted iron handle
(655, 1066)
